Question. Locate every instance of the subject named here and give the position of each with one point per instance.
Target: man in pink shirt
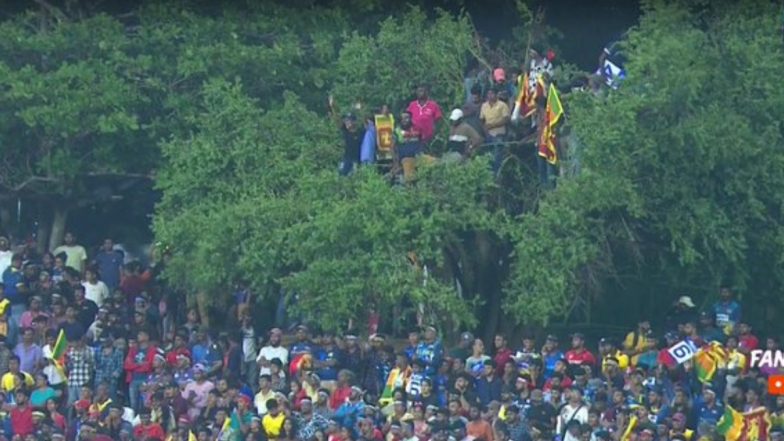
(424, 114)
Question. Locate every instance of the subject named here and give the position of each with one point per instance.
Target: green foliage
(252, 188)
(70, 104)
(409, 49)
(682, 169)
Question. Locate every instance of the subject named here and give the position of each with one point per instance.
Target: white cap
(686, 300)
(456, 115)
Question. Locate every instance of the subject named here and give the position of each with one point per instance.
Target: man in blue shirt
(302, 344)
(550, 355)
(727, 310)
(15, 288)
(326, 358)
(110, 262)
(709, 413)
(430, 351)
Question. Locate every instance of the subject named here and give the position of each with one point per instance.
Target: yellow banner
(385, 128)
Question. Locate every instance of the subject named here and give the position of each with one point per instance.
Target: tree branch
(54, 10)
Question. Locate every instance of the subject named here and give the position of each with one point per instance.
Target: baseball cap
(686, 300)
(455, 115)
(467, 336)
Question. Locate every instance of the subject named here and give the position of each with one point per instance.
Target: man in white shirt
(76, 255)
(271, 351)
(5, 254)
(94, 289)
(575, 409)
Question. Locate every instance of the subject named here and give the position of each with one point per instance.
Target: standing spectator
(80, 365)
(272, 350)
(540, 65)
(94, 289)
(249, 349)
(22, 415)
(430, 351)
(108, 366)
(463, 139)
(138, 365)
(27, 318)
(15, 291)
(488, 387)
(551, 355)
(471, 110)
(575, 409)
(109, 262)
(636, 342)
(5, 254)
(86, 309)
(29, 353)
(578, 355)
(353, 136)
(727, 310)
(502, 353)
(15, 378)
(495, 115)
(76, 255)
(424, 114)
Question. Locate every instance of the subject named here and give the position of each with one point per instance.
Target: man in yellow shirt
(76, 255)
(637, 341)
(272, 422)
(495, 114)
(611, 354)
(15, 378)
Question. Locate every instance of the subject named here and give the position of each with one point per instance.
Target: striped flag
(58, 354)
(60, 345)
(708, 360)
(730, 424)
(553, 113)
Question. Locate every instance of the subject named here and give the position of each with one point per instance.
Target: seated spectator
(463, 139)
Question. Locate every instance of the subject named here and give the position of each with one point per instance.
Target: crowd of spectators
(133, 370)
(487, 122)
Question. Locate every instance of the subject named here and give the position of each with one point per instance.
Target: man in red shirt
(148, 429)
(22, 415)
(502, 354)
(578, 354)
(747, 341)
(424, 114)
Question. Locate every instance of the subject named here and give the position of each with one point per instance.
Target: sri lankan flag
(756, 425)
(553, 113)
(730, 424)
(58, 354)
(708, 360)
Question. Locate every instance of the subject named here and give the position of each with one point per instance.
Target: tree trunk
(202, 305)
(5, 220)
(489, 285)
(59, 220)
(42, 235)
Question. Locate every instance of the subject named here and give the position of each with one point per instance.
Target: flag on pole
(553, 114)
(60, 345)
(58, 354)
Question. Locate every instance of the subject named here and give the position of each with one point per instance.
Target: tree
(681, 177)
(71, 111)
